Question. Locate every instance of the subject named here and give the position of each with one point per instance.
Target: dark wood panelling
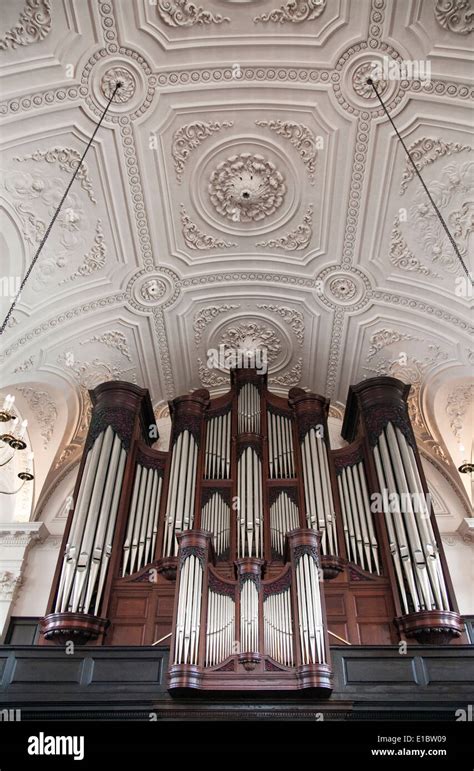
(123, 682)
(363, 608)
(141, 612)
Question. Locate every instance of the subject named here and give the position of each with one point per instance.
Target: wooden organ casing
(250, 545)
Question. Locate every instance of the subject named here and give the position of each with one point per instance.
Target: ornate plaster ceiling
(245, 182)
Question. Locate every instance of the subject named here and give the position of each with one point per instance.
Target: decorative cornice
(189, 137)
(455, 15)
(402, 257)
(21, 534)
(295, 11)
(196, 239)
(293, 318)
(9, 584)
(113, 339)
(67, 159)
(298, 135)
(296, 239)
(457, 405)
(384, 337)
(95, 258)
(425, 151)
(206, 315)
(290, 378)
(184, 13)
(33, 25)
(28, 364)
(251, 335)
(466, 530)
(44, 409)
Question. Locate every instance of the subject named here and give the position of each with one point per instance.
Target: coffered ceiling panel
(286, 328)
(246, 174)
(178, 25)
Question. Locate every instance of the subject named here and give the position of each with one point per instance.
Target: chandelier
(12, 442)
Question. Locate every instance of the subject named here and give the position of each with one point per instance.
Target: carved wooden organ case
(250, 543)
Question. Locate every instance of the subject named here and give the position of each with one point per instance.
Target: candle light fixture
(13, 441)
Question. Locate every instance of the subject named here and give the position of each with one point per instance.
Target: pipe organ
(251, 543)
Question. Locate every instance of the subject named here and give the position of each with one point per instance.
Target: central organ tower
(250, 546)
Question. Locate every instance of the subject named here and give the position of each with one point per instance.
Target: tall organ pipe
(320, 511)
(283, 518)
(215, 518)
(249, 490)
(141, 531)
(248, 409)
(180, 504)
(280, 446)
(89, 542)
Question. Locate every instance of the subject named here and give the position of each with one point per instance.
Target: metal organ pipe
(421, 539)
(220, 628)
(215, 517)
(248, 409)
(320, 512)
(80, 517)
(249, 616)
(249, 490)
(278, 627)
(89, 544)
(280, 446)
(142, 525)
(217, 455)
(180, 504)
(310, 611)
(361, 543)
(368, 513)
(425, 518)
(188, 621)
(110, 530)
(84, 549)
(390, 449)
(402, 566)
(398, 537)
(99, 537)
(283, 517)
(66, 572)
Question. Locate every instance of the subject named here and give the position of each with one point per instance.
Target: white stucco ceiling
(334, 260)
